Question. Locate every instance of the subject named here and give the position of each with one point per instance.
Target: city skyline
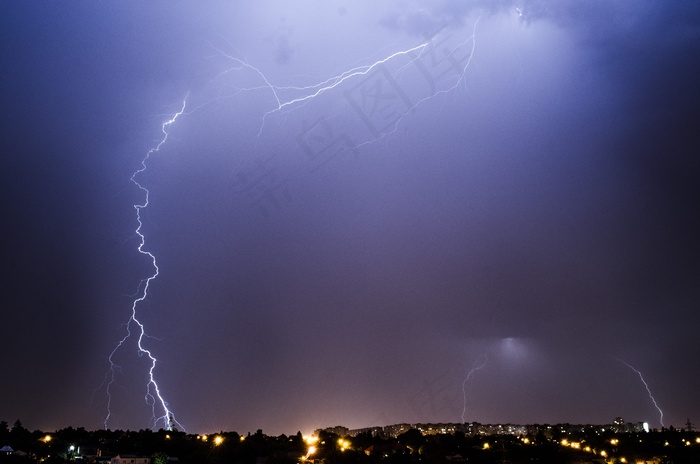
(617, 442)
(614, 425)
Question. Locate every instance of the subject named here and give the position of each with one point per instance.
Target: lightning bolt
(661, 413)
(480, 363)
(153, 396)
(310, 92)
(314, 90)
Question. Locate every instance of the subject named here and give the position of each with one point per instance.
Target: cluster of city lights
(343, 444)
(614, 442)
(311, 442)
(217, 440)
(580, 446)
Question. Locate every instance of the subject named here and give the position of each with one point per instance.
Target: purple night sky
(518, 196)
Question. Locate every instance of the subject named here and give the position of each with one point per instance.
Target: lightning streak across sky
(480, 363)
(153, 395)
(307, 93)
(315, 89)
(661, 413)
